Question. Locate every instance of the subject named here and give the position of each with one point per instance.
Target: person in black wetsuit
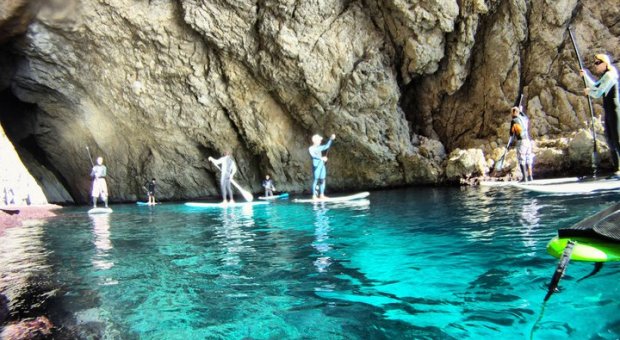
(150, 190)
(269, 187)
(607, 87)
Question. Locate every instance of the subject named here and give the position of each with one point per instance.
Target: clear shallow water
(447, 263)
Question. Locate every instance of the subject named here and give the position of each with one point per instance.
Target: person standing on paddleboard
(269, 187)
(228, 170)
(607, 87)
(100, 187)
(519, 130)
(150, 190)
(319, 170)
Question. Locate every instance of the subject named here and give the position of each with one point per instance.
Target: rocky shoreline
(12, 216)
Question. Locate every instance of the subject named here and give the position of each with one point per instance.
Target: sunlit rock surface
(17, 186)
(155, 87)
(465, 163)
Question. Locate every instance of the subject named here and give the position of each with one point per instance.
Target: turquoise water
(429, 263)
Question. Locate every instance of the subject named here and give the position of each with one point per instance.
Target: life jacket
(519, 127)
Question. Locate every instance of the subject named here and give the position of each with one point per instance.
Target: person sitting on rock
(519, 130)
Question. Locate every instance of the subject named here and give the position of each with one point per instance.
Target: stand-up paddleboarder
(607, 87)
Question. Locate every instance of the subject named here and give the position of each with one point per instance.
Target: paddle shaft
(560, 269)
(89, 157)
(595, 157)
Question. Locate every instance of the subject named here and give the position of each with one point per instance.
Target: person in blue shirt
(319, 170)
(607, 87)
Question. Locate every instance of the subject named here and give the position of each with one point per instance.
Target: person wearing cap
(519, 130)
(319, 170)
(228, 170)
(607, 87)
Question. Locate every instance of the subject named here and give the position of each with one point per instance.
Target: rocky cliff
(155, 87)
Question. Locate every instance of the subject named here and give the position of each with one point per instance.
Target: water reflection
(103, 245)
(477, 205)
(362, 204)
(529, 221)
(24, 268)
(232, 236)
(321, 237)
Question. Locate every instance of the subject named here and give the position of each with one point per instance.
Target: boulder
(465, 164)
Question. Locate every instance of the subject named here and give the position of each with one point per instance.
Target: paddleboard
(579, 187)
(226, 205)
(100, 211)
(274, 197)
(536, 182)
(333, 199)
(145, 203)
(586, 249)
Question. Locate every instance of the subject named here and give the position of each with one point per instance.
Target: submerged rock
(37, 328)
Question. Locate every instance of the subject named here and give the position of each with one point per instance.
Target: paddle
(595, 156)
(555, 281)
(500, 163)
(246, 195)
(89, 157)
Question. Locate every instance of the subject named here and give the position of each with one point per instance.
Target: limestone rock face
(17, 186)
(465, 164)
(156, 87)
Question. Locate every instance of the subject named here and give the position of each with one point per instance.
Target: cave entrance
(18, 120)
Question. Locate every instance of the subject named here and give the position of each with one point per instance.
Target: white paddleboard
(333, 199)
(583, 187)
(274, 197)
(100, 211)
(535, 182)
(224, 205)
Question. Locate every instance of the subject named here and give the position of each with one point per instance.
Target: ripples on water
(417, 263)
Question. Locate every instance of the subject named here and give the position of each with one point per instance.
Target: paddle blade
(596, 159)
(248, 196)
(499, 165)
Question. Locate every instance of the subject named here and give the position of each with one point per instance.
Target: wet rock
(4, 308)
(37, 328)
(581, 148)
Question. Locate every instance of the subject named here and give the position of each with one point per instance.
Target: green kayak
(586, 249)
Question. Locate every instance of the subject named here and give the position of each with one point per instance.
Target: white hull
(583, 187)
